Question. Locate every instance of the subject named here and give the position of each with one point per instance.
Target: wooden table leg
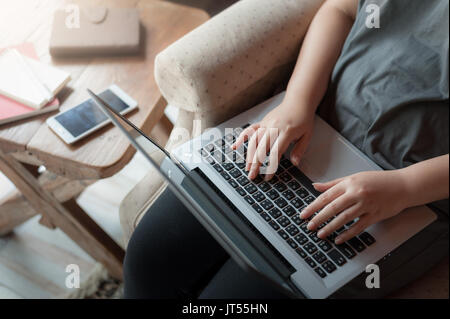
(69, 217)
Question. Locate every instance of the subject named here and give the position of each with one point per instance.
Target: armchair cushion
(236, 59)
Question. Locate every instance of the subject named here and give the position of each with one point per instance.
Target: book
(29, 81)
(11, 110)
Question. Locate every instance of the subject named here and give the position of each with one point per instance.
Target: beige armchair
(229, 64)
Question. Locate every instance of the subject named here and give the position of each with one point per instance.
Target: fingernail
(311, 225)
(338, 241)
(320, 234)
(294, 160)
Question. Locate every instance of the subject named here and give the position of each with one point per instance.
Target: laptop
(257, 222)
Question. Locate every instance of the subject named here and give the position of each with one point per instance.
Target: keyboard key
(325, 245)
(329, 266)
(266, 217)
(301, 252)
(264, 186)
(292, 230)
(296, 219)
(292, 243)
(289, 210)
(228, 166)
(294, 185)
(235, 173)
(301, 239)
(283, 221)
(283, 234)
(314, 237)
(273, 194)
(346, 250)
(274, 180)
(356, 244)
(258, 196)
(209, 147)
(218, 156)
(297, 203)
(250, 188)
(258, 179)
(241, 191)
(337, 257)
(280, 187)
(310, 248)
(243, 180)
(320, 257)
(303, 193)
(225, 176)
(367, 238)
(240, 163)
(281, 202)
(275, 213)
(257, 208)
(210, 160)
(233, 183)
(309, 200)
(218, 168)
(288, 194)
(340, 229)
(267, 204)
(249, 200)
(220, 143)
(274, 225)
(311, 263)
(320, 272)
(304, 228)
(285, 177)
(204, 153)
(332, 237)
(230, 138)
(285, 163)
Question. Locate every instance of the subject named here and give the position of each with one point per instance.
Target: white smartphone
(85, 118)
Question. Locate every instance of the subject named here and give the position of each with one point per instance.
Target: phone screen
(88, 115)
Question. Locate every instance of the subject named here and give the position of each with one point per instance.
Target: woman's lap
(170, 255)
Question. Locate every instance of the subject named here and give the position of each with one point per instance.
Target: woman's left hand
(369, 196)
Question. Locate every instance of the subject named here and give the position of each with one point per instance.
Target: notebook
(11, 110)
(29, 81)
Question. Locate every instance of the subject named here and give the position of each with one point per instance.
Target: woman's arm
(320, 51)
(377, 195)
(293, 119)
(427, 181)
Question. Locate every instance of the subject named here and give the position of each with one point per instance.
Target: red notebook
(12, 111)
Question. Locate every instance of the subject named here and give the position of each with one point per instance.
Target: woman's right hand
(282, 126)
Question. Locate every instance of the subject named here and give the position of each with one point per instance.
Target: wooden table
(71, 168)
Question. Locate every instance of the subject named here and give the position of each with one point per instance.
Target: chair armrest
(236, 59)
(148, 189)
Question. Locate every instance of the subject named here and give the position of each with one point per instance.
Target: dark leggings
(170, 255)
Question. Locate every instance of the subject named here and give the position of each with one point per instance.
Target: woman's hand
(368, 196)
(283, 125)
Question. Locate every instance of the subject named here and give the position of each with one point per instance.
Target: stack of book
(28, 87)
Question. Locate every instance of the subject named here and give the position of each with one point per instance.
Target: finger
(299, 149)
(245, 135)
(322, 187)
(323, 200)
(277, 150)
(260, 154)
(343, 218)
(356, 229)
(252, 146)
(335, 208)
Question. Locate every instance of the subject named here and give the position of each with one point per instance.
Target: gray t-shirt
(389, 90)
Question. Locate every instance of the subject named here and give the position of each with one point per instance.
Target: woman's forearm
(426, 182)
(320, 50)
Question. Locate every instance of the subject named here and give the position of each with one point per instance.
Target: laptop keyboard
(279, 203)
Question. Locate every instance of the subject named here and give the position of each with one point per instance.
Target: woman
(389, 96)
